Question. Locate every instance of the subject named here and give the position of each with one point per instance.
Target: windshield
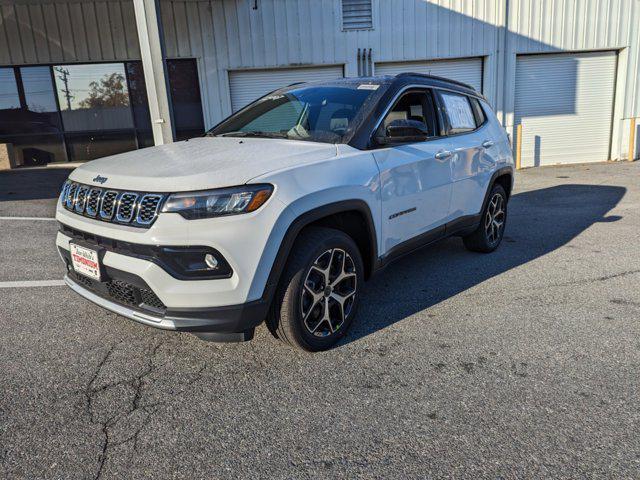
(313, 113)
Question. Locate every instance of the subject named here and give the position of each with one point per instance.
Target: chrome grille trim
(127, 203)
(148, 208)
(71, 195)
(108, 204)
(63, 193)
(93, 202)
(136, 209)
(81, 198)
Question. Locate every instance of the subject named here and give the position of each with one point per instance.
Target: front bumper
(230, 323)
(141, 289)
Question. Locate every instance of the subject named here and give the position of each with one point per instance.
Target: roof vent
(356, 15)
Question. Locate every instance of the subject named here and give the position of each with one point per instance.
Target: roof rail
(435, 77)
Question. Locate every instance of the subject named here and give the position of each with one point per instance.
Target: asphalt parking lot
(522, 363)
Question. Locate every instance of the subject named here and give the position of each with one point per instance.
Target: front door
(415, 178)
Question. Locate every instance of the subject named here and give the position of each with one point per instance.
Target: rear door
(415, 185)
(474, 153)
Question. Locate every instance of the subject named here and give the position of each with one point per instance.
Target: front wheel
(318, 295)
(487, 237)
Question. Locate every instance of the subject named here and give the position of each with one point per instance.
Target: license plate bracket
(86, 260)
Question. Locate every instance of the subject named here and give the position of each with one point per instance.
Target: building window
(139, 104)
(357, 15)
(185, 98)
(9, 98)
(59, 113)
(93, 97)
(29, 118)
(95, 109)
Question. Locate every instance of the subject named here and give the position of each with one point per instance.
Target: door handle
(443, 155)
(487, 144)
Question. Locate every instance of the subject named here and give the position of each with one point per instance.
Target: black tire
(309, 254)
(487, 237)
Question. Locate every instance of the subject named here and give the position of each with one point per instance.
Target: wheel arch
(504, 177)
(353, 217)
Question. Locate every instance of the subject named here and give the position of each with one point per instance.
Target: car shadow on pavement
(539, 222)
(32, 183)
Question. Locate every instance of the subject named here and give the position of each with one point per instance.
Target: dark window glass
(417, 106)
(83, 146)
(318, 114)
(9, 98)
(9, 101)
(139, 103)
(33, 150)
(478, 112)
(185, 98)
(93, 97)
(42, 116)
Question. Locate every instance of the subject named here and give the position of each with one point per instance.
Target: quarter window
(478, 112)
(459, 112)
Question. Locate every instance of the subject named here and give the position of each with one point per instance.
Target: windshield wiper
(256, 134)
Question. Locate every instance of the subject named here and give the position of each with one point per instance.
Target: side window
(478, 112)
(415, 105)
(459, 112)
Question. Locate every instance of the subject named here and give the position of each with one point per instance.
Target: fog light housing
(194, 263)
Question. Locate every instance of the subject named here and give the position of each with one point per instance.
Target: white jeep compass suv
(284, 209)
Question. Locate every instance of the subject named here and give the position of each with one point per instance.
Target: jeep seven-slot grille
(129, 208)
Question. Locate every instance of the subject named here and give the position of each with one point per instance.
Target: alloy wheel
(328, 292)
(494, 218)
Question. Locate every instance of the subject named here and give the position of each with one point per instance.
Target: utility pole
(64, 76)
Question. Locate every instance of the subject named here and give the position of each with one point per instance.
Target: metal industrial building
(83, 79)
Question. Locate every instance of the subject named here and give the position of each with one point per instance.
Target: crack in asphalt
(136, 383)
(604, 278)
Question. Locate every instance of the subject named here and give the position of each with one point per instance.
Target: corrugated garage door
(248, 85)
(467, 70)
(565, 104)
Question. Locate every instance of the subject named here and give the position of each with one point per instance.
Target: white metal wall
(247, 85)
(233, 35)
(540, 26)
(565, 103)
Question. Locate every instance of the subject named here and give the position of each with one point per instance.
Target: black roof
(434, 77)
(398, 80)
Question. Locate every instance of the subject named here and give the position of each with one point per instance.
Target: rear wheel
(318, 295)
(487, 237)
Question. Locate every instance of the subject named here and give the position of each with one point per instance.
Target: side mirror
(403, 131)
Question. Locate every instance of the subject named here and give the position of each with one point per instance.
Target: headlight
(219, 202)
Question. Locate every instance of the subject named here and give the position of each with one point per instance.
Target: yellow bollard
(632, 140)
(519, 147)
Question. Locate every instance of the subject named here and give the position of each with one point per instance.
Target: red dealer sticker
(85, 261)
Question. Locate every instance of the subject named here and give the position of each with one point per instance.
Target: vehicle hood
(200, 163)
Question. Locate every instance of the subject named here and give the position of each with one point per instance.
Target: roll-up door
(248, 85)
(565, 105)
(467, 70)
